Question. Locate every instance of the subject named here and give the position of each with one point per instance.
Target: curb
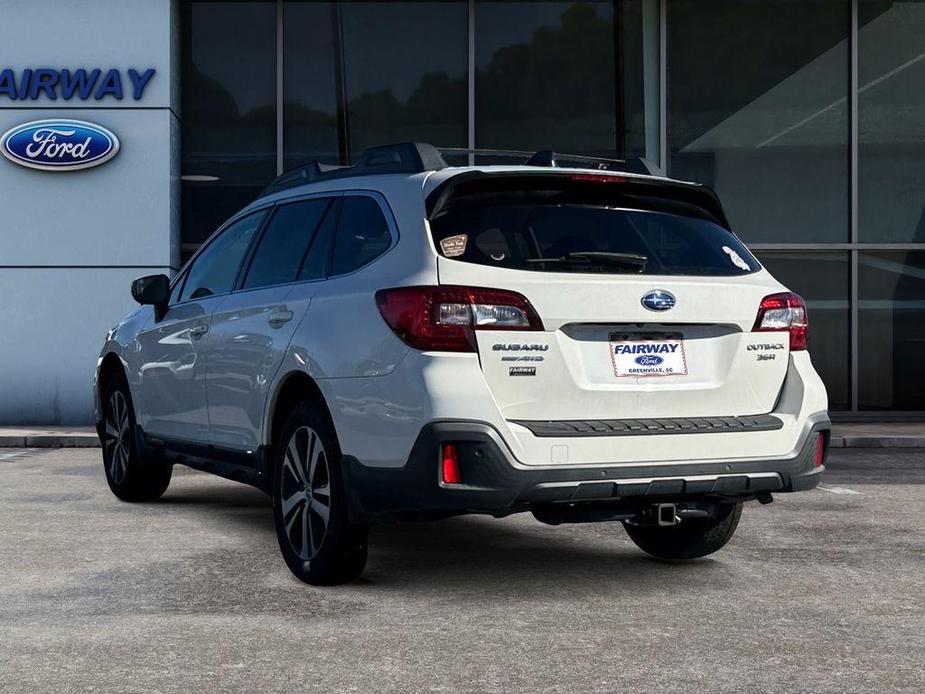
(877, 442)
(49, 441)
(91, 441)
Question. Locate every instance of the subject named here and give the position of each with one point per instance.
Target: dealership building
(806, 116)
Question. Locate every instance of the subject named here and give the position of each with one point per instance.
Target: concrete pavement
(818, 592)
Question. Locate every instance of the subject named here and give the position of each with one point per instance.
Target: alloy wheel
(117, 437)
(305, 492)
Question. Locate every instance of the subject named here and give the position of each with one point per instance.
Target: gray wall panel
(121, 217)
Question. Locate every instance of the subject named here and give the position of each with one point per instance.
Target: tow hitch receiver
(667, 514)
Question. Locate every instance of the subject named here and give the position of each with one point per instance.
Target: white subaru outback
(406, 339)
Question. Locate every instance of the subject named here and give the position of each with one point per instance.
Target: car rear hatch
(647, 300)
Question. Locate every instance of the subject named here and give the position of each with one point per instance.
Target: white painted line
(837, 490)
(14, 454)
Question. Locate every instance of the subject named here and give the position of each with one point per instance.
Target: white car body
(206, 377)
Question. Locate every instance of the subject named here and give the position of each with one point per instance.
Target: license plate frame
(663, 362)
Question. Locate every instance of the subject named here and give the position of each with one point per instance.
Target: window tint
(591, 239)
(285, 243)
(216, 268)
(362, 234)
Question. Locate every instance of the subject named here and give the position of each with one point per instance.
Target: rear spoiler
(692, 194)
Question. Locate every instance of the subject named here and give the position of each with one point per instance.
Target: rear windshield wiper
(626, 260)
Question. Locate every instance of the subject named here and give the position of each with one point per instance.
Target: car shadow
(512, 557)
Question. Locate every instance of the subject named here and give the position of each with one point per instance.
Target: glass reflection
(405, 73)
(229, 112)
(892, 330)
(309, 84)
(569, 76)
(891, 111)
(822, 280)
(758, 111)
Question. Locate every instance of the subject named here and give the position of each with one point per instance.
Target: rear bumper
(495, 483)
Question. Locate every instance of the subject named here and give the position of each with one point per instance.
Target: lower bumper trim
(495, 483)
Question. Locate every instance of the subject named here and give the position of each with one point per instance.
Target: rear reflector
(597, 178)
(450, 467)
(785, 311)
(820, 450)
(442, 318)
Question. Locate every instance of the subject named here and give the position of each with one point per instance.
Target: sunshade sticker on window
(736, 259)
(453, 246)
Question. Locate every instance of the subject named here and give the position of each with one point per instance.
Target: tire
(689, 539)
(319, 543)
(131, 477)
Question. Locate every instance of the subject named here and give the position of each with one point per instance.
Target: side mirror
(152, 290)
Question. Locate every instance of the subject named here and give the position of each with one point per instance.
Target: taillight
(443, 318)
(785, 311)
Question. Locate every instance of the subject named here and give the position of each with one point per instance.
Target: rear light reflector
(784, 311)
(443, 318)
(820, 450)
(450, 465)
(597, 178)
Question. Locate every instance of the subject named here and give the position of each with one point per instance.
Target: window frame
(269, 210)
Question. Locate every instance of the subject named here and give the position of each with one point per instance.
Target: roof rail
(406, 157)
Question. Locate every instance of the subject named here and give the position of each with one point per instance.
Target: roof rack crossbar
(405, 157)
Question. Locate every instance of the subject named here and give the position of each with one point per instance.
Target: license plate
(649, 357)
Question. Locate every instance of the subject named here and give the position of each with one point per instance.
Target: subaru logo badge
(59, 144)
(658, 300)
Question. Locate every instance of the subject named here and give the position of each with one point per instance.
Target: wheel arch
(293, 388)
(110, 366)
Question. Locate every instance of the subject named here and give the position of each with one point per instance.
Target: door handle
(279, 318)
(198, 331)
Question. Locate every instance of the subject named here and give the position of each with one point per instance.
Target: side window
(362, 235)
(285, 243)
(216, 268)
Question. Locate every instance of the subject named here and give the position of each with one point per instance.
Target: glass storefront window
(570, 76)
(891, 111)
(822, 279)
(228, 121)
(892, 330)
(758, 110)
(310, 109)
(405, 73)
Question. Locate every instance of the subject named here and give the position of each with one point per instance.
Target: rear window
(546, 234)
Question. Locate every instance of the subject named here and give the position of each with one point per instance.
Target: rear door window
(285, 244)
(552, 234)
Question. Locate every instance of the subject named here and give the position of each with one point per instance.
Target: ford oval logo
(648, 360)
(658, 300)
(59, 145)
